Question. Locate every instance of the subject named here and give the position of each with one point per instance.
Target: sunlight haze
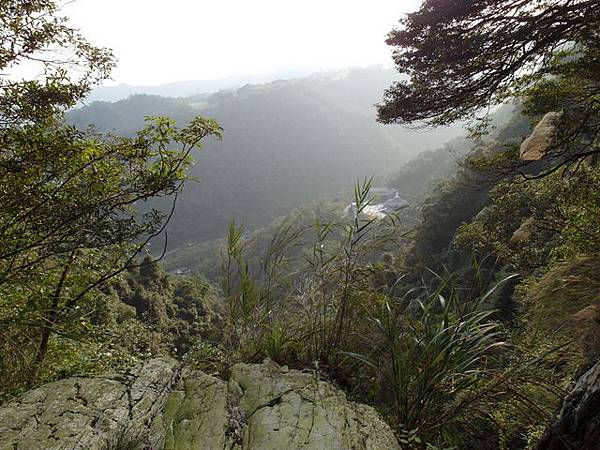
(158, 42)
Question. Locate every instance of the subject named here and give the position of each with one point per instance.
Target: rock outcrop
(90, 413)
(289, 409)
(159, 405)
(538, 143)
(523, 233)
(577, 423)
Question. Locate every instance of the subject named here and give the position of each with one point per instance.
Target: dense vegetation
(285, 143)
(69, 223)
(464, 318)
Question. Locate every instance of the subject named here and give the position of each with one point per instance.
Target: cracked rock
(84, 413)
(295, 410)
(157, 406)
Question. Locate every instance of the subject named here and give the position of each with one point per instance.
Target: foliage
(68, 199)
(432, 359)
(541, 217)
(319, 289)
(530, 224)
(211, 358)
(314, 318)
(68, 215)
(444, 368)
(142, 314)
(561, 306)
(128, 439)
(456, 198)
(32, 31)
(450, 205)
(182, 309)
(463, 56)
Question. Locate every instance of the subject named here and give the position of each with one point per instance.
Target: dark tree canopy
(463, 55)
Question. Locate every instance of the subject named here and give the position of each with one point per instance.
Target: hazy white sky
(158, 41)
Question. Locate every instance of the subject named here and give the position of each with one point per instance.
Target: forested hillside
(418, 181)
(286, 143)
(465, 314)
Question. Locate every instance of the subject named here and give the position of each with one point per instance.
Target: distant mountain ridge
(193, 87)
(286, 143)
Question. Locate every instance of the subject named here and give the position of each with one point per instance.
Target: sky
(159, 41)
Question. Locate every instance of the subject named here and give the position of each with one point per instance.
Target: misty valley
(380, 256)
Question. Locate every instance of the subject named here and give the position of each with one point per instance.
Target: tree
(533, 224)
(69, 199)
(32, 32)
(462, 55)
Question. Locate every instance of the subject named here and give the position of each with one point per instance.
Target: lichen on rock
(293, 409)
(161, 406)
(195, 414)
(87, 413)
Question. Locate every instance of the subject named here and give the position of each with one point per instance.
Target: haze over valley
(286, 143)
(299, 225)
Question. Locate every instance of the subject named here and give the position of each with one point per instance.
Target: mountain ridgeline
(285, 143)
(454, 295)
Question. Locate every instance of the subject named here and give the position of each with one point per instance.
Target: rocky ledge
(577, 423)
(159, 405)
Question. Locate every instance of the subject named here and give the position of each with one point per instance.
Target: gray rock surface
(577, 423)
(158, 406)
(292, 410)
(196, 413)
(90, 413)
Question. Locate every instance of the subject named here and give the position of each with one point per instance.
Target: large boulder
(538, 143)
(161, 406)
(196, 413)
(91, 413)
(290, 409)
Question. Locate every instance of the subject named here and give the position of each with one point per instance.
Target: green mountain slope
(286, 143)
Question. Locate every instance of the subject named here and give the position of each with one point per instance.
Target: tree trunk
(50, 321)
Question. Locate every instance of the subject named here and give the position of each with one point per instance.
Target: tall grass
(441, 362)
(444, 364)
(338, 264)
(313, 311)
(127, 437)
(256, 288)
